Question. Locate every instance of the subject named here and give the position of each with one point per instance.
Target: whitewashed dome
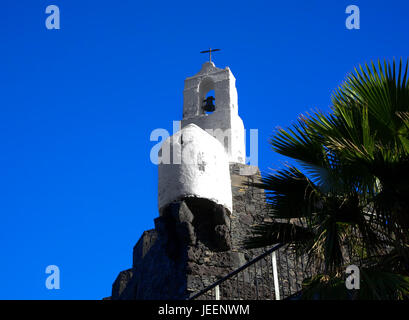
(193, 164)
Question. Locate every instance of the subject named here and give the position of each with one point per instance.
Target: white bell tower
(224, 122)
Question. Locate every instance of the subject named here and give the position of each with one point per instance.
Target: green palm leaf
(351, 188)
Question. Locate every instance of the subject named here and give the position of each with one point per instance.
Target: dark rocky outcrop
(194, 243)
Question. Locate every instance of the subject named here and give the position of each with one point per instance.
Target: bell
(208, 104)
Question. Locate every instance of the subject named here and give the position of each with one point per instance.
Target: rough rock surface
(195, 242)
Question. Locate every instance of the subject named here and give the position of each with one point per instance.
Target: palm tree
(347, 199)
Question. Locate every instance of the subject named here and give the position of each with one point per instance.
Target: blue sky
(77, 106)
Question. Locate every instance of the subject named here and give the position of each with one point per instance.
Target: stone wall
(195, 242)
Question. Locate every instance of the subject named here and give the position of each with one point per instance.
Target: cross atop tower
(210, 53)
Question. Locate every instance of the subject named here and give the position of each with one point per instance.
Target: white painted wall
(199, 168)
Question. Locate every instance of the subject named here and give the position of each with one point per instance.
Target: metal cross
(210, 53)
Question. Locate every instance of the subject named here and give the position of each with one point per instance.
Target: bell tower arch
(224, 122)
(206, 85)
